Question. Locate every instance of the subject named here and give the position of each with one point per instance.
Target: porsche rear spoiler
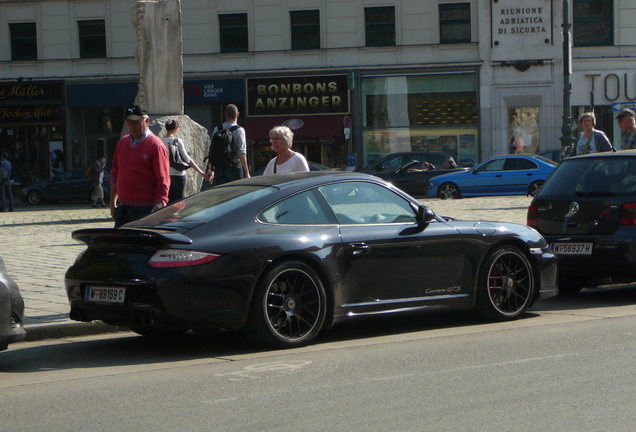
(94, 236)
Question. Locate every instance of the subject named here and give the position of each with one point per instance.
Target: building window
(454, 23)
(24, 41)
(423, 113)
(92, 38)
(305, 29)
(233, 33)
(593, 22)
(380, 26)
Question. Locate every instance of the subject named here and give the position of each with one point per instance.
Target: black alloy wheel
(535, 187)
(288, 307)
(449, 191)
(506, 284)
(34, 197)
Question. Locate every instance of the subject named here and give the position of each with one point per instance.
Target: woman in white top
(178, 178)
(287, 161)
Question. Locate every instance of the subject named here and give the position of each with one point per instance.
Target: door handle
(359, 248)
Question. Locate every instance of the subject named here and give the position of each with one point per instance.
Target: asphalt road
(567, 366)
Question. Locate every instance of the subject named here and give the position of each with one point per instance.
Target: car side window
(300, 209)
(518, 164)
(366, 203)
(495, 165)
(393, 163)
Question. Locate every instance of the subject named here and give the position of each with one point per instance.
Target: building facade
(363, 77)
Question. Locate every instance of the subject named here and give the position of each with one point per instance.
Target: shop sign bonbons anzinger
(297, 95)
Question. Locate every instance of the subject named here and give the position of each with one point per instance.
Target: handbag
(175, 158)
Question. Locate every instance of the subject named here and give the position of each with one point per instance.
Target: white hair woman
(590, 140)
(287, 161)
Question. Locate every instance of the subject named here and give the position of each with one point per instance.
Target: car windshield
(210, 204)
(593, 177)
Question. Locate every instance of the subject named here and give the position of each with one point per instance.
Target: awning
(308, 130)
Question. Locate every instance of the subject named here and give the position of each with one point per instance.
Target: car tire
(288, 306)
(34, 197)
(505, 285)
(449, 191)
(535, 187)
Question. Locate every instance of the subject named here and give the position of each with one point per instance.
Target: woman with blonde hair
(590, 140)
(287, 161)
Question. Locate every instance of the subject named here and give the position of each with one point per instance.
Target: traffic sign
(620, 106)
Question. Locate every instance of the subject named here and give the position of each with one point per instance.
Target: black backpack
(223, 147)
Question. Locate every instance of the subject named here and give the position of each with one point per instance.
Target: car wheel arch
(514, 242)
(515, 245)
(325, 278)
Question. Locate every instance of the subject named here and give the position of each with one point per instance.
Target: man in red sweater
(140, 176)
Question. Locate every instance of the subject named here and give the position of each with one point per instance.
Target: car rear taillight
(628, 214)
(533, 217)
(171, 258)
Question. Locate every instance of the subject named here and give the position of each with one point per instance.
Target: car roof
(630, 153)
(307, 179)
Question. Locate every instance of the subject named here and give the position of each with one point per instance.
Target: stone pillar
(160, 61)
(159, 56)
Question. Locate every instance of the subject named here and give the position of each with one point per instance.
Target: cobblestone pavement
(37, 249)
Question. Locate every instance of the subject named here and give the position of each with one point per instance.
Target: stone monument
(159, 57)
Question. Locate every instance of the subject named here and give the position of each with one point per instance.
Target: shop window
(454, 23)
(92, 38)
(425, 113)
(305, 29)
(24, 41)
(379, 26)
(233, 37)
(523, 130)
(593, 22)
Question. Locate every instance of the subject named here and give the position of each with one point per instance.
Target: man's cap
(135, 112)
(626, 113)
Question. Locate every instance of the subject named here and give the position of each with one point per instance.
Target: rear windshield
(208, 205)
(593, 176)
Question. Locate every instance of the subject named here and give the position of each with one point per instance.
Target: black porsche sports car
(283, 256)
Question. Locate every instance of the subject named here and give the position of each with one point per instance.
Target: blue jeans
(177, 188)
(229, 174)
(5, 189)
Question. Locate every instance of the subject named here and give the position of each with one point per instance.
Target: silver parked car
(11, 310)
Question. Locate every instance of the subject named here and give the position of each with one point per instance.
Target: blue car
(499, 175)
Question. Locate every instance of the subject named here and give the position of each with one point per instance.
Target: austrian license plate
(572, 248)
(105, 295)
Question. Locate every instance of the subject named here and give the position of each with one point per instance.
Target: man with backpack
(227, 159)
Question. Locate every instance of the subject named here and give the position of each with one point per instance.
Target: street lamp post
(567, 140)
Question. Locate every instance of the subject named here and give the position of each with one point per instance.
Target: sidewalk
(37, 249)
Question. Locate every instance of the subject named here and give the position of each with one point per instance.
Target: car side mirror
(423, 214)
